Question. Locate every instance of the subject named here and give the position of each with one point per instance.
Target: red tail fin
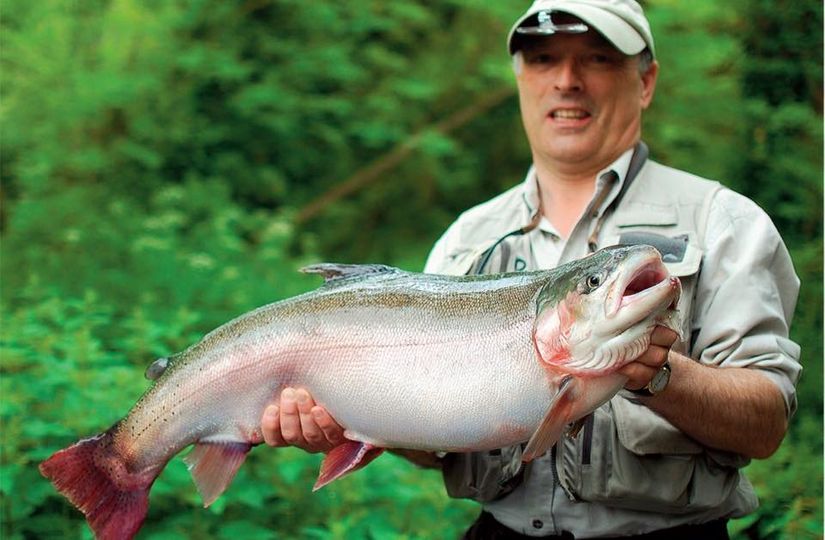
(91, 475)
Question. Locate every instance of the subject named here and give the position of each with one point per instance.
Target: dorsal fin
(333, 271)
(156, 368)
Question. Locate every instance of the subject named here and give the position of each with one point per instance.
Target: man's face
(581, 100)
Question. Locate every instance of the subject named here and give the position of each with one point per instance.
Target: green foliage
(790, 507)
(780, 167)
(156, 155)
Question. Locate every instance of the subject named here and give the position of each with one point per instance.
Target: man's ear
(649, 84)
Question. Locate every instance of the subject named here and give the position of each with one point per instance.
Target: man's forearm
(734, 409)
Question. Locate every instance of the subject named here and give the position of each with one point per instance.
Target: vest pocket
(483, 476)
(640, 461)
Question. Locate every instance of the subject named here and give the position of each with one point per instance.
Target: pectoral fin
(553, 424)
(344, 459)
(213, 466)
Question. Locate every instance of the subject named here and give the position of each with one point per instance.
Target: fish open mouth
(650, 283)
(646, 277)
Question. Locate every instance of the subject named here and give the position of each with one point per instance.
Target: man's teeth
(569, 113)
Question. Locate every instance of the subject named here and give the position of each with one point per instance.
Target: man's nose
(567, 76)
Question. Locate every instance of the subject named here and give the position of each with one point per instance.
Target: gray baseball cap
(622, 22)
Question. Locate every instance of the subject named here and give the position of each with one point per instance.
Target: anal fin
(213, 466)
(553, 424)
(344, 459)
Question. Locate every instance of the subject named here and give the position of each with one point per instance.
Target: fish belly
(482, 391)
(395, 378)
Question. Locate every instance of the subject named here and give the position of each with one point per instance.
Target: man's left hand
(640, 371)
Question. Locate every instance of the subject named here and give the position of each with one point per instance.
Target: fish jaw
(595, 330)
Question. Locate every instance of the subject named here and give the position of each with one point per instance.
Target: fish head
(597, 314)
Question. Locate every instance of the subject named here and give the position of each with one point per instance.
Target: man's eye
(540, 58)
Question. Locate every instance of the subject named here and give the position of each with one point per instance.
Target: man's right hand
(295, 420)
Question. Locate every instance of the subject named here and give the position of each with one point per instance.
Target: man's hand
(640, 371)
(297, 421)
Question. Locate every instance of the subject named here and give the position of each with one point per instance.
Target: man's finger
(332, 431)
(663, 337)
(290, 419)
(271, 426)
(654, 356)
(638, 375)
(316, 441)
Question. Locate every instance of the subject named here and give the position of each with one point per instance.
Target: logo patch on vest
(672, 249)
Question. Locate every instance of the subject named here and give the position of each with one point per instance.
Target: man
(662, 458)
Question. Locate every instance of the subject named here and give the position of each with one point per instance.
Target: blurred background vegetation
(167, 165)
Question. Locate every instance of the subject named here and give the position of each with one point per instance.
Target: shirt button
(538, 524)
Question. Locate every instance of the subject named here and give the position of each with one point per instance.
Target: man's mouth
(569, 114)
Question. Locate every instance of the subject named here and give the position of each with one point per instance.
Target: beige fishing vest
(626, 455)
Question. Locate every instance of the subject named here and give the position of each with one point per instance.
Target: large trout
(401, 360)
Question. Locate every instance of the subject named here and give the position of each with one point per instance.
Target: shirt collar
(620, 168)
(531, 189)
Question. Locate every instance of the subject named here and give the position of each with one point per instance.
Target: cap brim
(616, 30)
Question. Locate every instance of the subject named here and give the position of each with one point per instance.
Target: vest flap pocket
(689, 265)
(644, 432)
(681, 257)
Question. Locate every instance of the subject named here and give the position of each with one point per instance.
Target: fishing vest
(626, 455)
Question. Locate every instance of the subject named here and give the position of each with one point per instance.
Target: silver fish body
(376, 355)
(399, 359)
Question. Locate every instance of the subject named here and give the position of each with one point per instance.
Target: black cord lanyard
(637, 161)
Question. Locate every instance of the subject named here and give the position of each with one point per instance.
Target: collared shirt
(741, 245)
(548, 246)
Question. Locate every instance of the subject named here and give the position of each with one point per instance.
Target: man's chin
(570, 154)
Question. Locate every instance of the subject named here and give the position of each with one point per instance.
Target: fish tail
(92, 475)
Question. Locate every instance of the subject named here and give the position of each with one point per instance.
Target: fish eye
(590, 283)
